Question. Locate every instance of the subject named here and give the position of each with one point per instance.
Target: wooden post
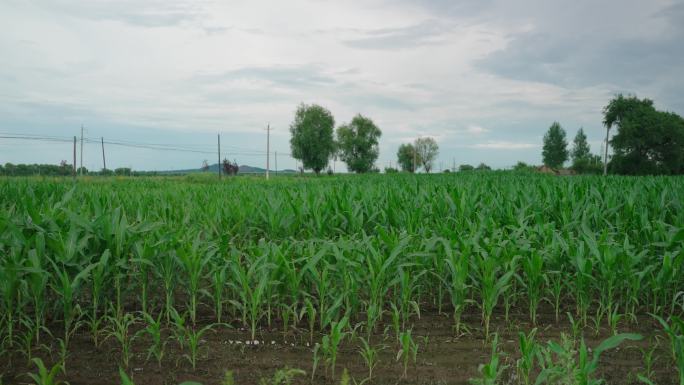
(104, 162)
(81, 169)
(268, 149)
(74, 168)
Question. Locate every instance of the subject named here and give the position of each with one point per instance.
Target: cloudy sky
(485, 78)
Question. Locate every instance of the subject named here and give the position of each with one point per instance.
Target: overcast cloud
(485, 78)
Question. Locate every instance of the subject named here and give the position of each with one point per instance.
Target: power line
(234, 150)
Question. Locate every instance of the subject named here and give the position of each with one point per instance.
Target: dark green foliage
(312, 136)
(482, 167)
(583, 161)
(522, 166)
(555, 151)
(36, 169)
(580, 147)
(648, 141)
(358, 144)
(122, 171)
(465, 167)
(405, 157)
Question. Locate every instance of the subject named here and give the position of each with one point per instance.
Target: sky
(485, 78)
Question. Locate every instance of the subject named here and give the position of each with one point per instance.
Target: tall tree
(580, 147)
(555, 151)
(648, 141)
(406, 157)
(427, 151)
(358, 144)
(312, 136)
(583, 161)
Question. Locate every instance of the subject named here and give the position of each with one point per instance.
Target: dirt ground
(442, 358)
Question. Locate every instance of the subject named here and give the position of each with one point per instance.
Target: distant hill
(244, 169)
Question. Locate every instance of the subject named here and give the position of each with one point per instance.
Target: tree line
(647, 142)
(315, 142)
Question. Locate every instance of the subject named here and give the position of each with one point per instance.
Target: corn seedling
(528, 352)
(370, 357)
(330, 343)
(153, 329)
(491, 372)
(45, 376)
(120, 329)
(407, 349)
(675, 332)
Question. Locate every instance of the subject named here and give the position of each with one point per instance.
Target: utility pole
(276, 163)
(219, 156)
(605, 158)
(453, 166)
(104, 162)
(74, 168)
(268, 148)
(81, 170)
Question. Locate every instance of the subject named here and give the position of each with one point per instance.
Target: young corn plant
(528, 352)
(144, 254)
(675, 331)
(99, 280)
(491, 372)
(37, 282)
(492, 284)
(219, 281)
(189, 336)
(407, 349)
(370, 356)
(45, 376)
(67, 289)
(458, 267)
(534, 280)
(153, 329)
(120, 330)
(566, 364)
(409, 285)
(11, 277)
(330, 343)
(251, 285)
(194, 261)
(165, 268)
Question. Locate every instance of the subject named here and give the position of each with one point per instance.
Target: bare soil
(442, 357)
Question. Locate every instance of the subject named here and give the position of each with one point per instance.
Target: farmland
(410, 279)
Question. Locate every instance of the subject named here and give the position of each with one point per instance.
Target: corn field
(148, 270)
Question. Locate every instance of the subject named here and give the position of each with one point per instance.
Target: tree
(555, 151)
(465, 167)
(426, 150)
(648, 141)
(406, 156)
(582, 159)
(522, 166)
(230, 168)
(357, 143)
(482, 167)
(580, 147)
(312, 136)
